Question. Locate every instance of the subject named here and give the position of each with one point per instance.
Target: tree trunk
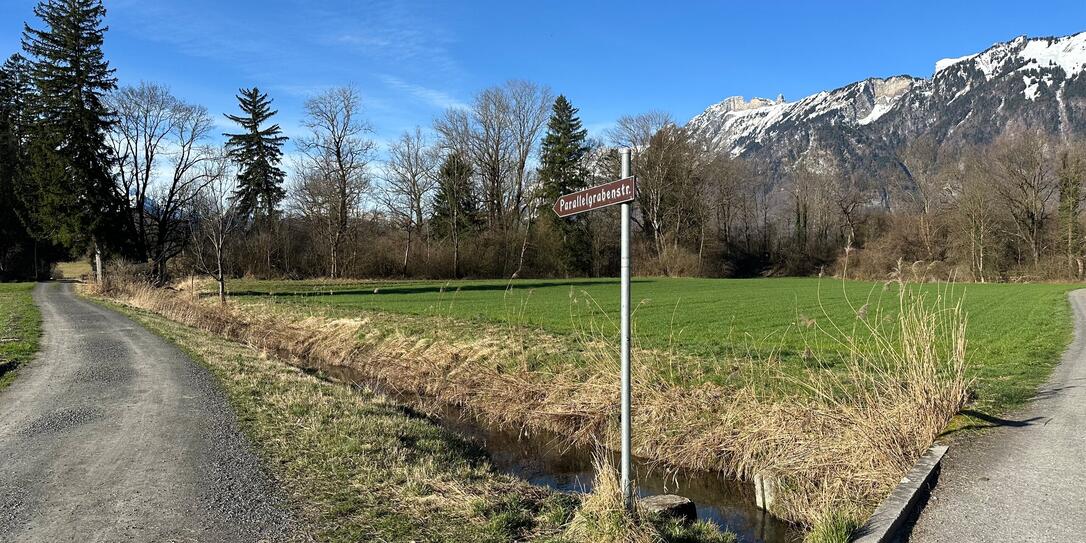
(523, 249)
(456, 248)
(98, 263)
(701, 246)
(219, 277)
(407, 250)
(334, 271)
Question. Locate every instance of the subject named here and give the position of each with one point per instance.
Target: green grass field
(1016, 331)
(72, 270)
(20, 328)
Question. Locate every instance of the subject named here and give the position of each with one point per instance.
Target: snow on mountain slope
(1035, 82)
(948, 62)
(1022, 54)
(1068, 53)
(737, 125)
(734, 119)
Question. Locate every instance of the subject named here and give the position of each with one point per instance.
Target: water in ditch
(544, 460)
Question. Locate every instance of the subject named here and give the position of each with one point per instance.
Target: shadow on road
(1050, 392)
(991, 421)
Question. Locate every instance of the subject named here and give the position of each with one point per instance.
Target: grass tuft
(603, 517)
(835, 527)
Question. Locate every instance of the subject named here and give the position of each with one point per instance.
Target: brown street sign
(615, 192)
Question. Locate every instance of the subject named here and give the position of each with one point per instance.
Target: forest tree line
(91, 168)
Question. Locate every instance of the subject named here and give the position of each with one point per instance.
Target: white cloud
(433, 97)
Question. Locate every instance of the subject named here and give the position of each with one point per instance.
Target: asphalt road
(112, 434)
(1026, 479)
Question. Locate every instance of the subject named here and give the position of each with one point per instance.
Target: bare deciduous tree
(333, 173)
(409, 180)
(159, 141)
(483, 135)
(924, 191)
(1022, 170)
(636, 131)
(214, 220)
(529, 105)
(665, 163)
(1071, 174)
(499, 133)
(977, 213)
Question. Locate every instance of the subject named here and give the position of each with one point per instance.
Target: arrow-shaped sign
(607, 194)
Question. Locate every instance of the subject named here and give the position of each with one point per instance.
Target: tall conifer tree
(16, 246)
(455, 210)
(562, 168)
(71, 190)
(258, 153)
(562, 171)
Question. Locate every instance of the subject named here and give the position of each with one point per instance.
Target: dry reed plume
(834, 449)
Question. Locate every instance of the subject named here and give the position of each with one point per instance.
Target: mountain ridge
(1038, 83)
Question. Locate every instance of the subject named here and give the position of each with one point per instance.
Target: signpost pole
(624, 192)
(627, 488)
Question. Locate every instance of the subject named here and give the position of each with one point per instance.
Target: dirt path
(112, 434)
(1026, 480)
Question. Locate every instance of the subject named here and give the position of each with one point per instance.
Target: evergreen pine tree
(258, 153)
(16, 246)
(14, 88)
(562, 171)
(562, 168)
(15, 92)
(454, 208)
(454, 202)
(70, 188)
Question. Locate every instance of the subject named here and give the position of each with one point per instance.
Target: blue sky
(411, 60)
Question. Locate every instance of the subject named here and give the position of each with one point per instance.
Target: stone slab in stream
(670, 505)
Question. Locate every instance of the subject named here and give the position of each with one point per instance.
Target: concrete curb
(891, 515)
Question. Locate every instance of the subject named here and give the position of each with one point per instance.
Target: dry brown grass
(602, 516)
(835, 449)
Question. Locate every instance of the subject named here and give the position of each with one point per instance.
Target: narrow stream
(545, 460)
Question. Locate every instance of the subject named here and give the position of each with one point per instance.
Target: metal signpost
(622, 192)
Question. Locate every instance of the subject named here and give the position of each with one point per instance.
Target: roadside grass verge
(20, 328)
(834, 448)
(361, 467)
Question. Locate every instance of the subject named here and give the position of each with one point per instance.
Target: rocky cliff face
(1035, 83)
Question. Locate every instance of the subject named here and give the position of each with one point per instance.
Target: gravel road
(112, 434)
(1025, 480)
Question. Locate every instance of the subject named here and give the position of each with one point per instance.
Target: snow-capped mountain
(1035, 83)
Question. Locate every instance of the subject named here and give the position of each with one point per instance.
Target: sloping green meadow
(1016, 332)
